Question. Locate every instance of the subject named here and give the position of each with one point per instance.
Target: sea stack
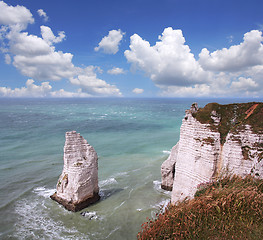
(77, 186)
(215, 141)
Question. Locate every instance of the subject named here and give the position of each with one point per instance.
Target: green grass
(233, 117)
(231, 208)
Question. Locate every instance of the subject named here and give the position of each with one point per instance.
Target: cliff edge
(215, 141)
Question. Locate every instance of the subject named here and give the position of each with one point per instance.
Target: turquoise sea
(132, 138)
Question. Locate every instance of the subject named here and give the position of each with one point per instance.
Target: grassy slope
(231, 208)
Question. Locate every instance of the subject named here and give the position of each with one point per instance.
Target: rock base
(166, 188)
(75, 206)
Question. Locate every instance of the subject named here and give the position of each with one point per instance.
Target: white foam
(42, 191)
(119, 205)
(114, 230)
(160, 207)
(108, 181)
(90, 215)
(35, 222)
(166, 152)
(157, 186)
(120, 174)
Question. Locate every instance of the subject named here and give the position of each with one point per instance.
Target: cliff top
(231, 117)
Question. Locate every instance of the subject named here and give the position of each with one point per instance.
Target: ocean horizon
(132, 136)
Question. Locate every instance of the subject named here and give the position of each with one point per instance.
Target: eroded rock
(215, 141)
(77, 186)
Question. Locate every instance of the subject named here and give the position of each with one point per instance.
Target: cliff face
(77, 186)
(215, 141)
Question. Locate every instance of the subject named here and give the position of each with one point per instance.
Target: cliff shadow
(106, 193)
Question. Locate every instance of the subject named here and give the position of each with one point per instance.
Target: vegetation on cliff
(233, 117)
(231, 208)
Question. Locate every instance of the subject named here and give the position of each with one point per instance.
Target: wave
(35, 221)
(159, 207)
(113, 231)
(90, 215)
(120, 174)
(108, 181)
(157, 187)
(112, 179)
(166, 152)
(42, 191)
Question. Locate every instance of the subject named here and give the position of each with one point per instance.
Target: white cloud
(236, 58)
(89, 83)
(8, 59)
(65, 94)
(197, 90)
(33, 56)
(31, 90)
(37, 58)
(230, 38)
(116, 71)
(49, 37)
(233, 72)
(18, 15)
(110, 44)
(169, 62)
(137, 90)
(222, 86)
(44, 90)
(244, 84)
(43, 14)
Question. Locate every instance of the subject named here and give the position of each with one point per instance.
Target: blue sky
(140, 48)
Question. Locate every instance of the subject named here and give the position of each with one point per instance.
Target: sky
(123, 48)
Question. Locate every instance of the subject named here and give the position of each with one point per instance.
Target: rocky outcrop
(215, 141)
(168, 168)
(77, 186)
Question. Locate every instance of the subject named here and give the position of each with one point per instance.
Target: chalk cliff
(77, 186)
(214, 141)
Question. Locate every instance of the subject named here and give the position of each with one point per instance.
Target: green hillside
(233, 117)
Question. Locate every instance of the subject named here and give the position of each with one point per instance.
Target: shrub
(231, 208)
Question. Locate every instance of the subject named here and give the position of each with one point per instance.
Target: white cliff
(207, 150)
(77, 186)
(167, 169)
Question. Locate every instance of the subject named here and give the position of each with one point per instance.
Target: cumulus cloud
(116, 71)
(244, 84)
(168, 62)
(41, 13)
(18, 15)
(91, 84)
(197, 90)
(35, 58)
(236, 71)
(223, 85)
(110, 44)
(236, 58)
(31, 90)
(137, 90)
(49, 37)
(39, 91)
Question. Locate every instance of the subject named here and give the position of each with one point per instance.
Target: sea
(132, 138)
